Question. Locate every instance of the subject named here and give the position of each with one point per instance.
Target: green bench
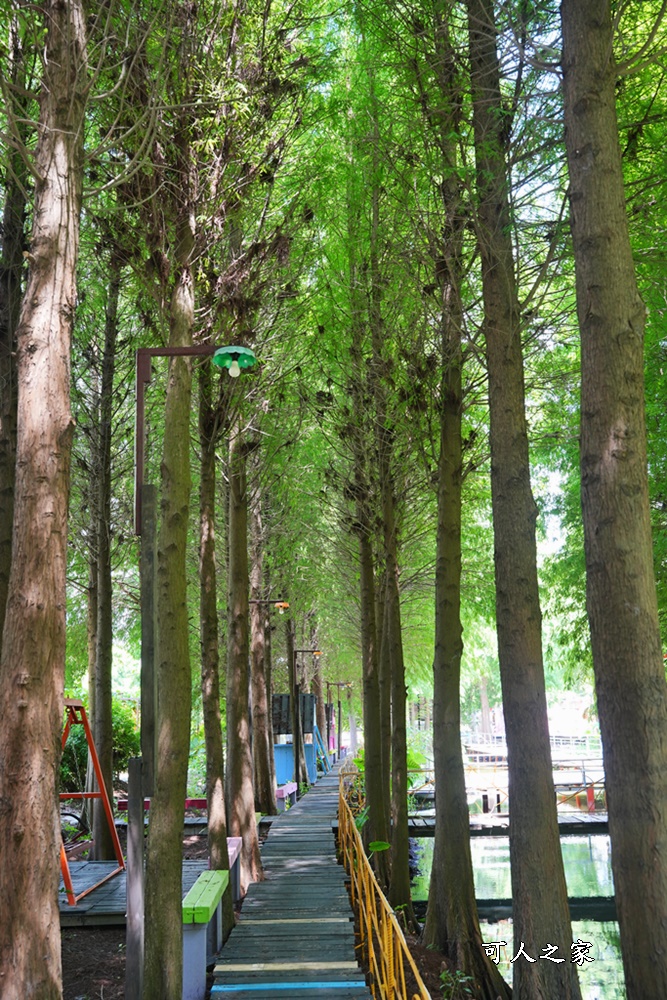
(202, 930)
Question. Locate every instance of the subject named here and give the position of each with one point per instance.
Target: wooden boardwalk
(295, 937)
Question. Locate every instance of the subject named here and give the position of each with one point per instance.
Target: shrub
(126, 744)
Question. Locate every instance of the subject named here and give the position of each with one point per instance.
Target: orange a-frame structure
(76, 715)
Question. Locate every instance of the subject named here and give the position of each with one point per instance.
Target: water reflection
(587, 861)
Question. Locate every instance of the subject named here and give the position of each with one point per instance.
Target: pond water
(587, 861)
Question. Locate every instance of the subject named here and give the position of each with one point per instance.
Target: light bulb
(234, 369)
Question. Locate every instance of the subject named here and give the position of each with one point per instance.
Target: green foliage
(126, 737)
(197, 764)
(126, 744)
(456, 985)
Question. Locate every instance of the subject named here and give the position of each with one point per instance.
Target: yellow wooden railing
(384, 949)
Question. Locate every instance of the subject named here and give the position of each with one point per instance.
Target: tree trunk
(318, 691)
(384, 683)
(210, 659)
(103, 847)
(377, 813)
(399, 886)
(262, 748)
(268, 645)
(163, 922)
(540, 908)
(240, 794)
(621, 596)
(33, 650)
(452, 923)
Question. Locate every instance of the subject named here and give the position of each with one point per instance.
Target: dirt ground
(94, 957)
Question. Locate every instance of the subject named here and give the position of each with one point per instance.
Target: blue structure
(284, 757)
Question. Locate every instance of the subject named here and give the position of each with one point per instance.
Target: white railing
(581, 746)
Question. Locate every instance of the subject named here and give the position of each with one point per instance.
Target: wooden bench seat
(284, 794)
(202, 930)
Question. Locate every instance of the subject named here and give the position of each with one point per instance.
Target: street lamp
(280, 605)
(142, 769)
(223, 357)
(234, 358)
(295, 692)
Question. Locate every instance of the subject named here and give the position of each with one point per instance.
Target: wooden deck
(107, 905)
(295, 937)
(497, 824)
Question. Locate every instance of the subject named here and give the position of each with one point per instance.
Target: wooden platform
(107, 905)
(295, 937)
(497, 824)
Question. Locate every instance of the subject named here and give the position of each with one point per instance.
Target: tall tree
(620, 585)
(260, 673)
(539, 893)
(240, 793)
(452, 923)
(102, 722)
(163, 915)
(33, 648)
(210, 654)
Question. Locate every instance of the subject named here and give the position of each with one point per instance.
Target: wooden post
(296, 734)
(134, 929)
(148, 577)
(340, 723)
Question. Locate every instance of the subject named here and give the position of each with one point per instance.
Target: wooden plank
(201, 901)
(278, 966)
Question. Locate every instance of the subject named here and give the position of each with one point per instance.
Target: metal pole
(134, 929)
(148, 577)
(297, 738)
(328, 717)
(340, 722)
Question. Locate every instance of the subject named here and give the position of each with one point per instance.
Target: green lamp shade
(234, 358)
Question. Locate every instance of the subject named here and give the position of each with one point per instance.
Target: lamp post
(297, 735)
(339, 685)
(142, 769)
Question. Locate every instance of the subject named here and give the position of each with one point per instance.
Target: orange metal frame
(76, 715)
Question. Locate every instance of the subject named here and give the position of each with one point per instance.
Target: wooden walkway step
(295, 937)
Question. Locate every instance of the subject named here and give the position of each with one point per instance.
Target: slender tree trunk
(163, 922)
(33, 649)
(318, 691)
(102, 713)
(377, 806)
(91, 636)
(621, 595)
(268, 646)
(377, 814)
(210, 658)
(452, 923)
(540, 908)
(399, 886)
(384, 682)
(240, 793)
(262, 748)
